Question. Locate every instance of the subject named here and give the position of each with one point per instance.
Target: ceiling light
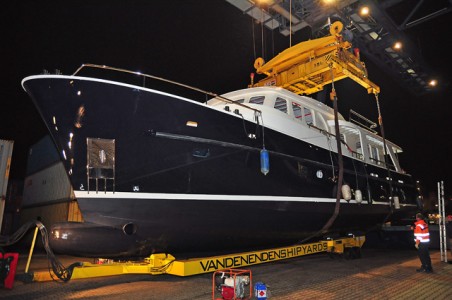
(364, 11)
(264, 1)
(397, 45)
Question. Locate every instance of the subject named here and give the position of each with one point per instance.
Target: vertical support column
(442, 222)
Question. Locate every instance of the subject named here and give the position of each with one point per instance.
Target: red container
(9, 280)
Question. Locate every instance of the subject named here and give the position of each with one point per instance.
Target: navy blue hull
(156, 152)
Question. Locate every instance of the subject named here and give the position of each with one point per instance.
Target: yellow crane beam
(308, 66)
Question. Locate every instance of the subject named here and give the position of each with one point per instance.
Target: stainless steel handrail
(371, 124)
(165, 80)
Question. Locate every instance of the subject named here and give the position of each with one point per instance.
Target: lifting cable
(340, 179)
(356, 174)
(259, 114)
(333, 217)
(290, 23)
(254, 38)
(382, 132)
(330, 150)
(262, 33)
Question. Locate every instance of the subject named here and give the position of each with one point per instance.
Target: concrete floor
(379, 274)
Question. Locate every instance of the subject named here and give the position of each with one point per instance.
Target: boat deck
(379, 274)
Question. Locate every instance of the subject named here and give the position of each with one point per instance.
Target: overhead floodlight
(397, 45)
(364, 11)
(433, 83)
(374, 35)
(264, 2)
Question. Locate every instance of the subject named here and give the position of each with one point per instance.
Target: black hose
(18, 235)
(333, 217)
(63, 273)
(340, 178)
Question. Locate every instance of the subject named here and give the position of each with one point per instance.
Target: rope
(263, 127)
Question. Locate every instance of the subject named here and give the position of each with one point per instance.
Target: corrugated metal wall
(46, 186)
(6, 151)
(48, 194)
(41, 155)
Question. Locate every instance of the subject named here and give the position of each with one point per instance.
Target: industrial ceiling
(374, 34)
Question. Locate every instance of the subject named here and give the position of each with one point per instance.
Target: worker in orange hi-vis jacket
(422, 240)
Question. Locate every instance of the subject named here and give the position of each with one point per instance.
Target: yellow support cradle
(158, 264)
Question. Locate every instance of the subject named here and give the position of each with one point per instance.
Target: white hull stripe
(206, 197)
(67, 77)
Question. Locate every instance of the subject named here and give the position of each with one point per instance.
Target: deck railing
(186, 86)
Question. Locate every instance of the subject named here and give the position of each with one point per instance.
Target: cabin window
(359, 151)
(358, 148)
(239, 101)
(281, 104)
(296, 108)
(376, 150)
(257, 100)
(352, 138)
(308, 116)
(381, 154)
(374, 154)
(371, 151)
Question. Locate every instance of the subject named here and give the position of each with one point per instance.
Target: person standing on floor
(449, 234)
(422, 240)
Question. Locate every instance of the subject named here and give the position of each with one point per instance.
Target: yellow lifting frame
(307, 67)
(158, 264)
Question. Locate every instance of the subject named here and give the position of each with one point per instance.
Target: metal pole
(31, 250)
(442, 222)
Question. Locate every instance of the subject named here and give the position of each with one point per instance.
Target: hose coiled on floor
(63, 273)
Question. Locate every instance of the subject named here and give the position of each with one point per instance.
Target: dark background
(210, 45)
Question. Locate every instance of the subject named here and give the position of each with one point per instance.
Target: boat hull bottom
(255, 227)
(93, 240)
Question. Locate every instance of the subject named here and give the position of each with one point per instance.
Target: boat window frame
(311, 114)
(280, 99)
(257, 102)
(300, 107)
